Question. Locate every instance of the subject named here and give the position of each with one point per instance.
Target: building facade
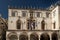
(3, 28)
(33, 24)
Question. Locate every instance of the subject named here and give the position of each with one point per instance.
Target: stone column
(58, 35)
(7, 38)
(18, 35)
(39, 37)
(50, 37)
(28, 37)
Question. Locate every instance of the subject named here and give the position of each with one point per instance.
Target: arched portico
(12, 36)
(54, 36)
(44, 36)
(23, 37)
(34, 36)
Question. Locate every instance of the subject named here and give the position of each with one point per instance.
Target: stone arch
(12, 36)
(43, 25)
(34, 36)
(54, 36)
(44, 36)
(23, 36)
(18, 24)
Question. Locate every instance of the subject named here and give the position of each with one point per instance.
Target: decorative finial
(34, 7)
(31, 7)
(28, 7)
(21, 6)
(37, 7)
(0, 15)
(25, 7)
(15, 7)
(12, 7)
(8, 6)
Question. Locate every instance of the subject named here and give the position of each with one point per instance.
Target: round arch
(34, 36)
(44, 36)
(54, 36)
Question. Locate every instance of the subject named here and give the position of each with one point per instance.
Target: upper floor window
(47, 15)
(54, 25)
(18, 24)
(43, 25)
(31, 13)
(54, 13)
(14, 13)
(31, 24)
(38, 14)
(24, 13)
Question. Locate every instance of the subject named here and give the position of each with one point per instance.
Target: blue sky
(18, 3)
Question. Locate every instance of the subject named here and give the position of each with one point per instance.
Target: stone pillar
(18, 34)
(50, 37)
(18, 37)
(7, 38)
(58, 35)
(39, 37)
(28, 37)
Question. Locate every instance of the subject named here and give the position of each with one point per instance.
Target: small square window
(14, 13)
(54, 13)
(47, 15)
(38, 14)
(23, 13)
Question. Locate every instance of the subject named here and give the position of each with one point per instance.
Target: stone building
(3, 28)
(33, 24)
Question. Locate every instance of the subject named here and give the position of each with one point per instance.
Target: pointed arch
(23, 37)
(54, 36)
(44, 36)
(34, 36)
(12, 36)
(18, 24)
(42, 24)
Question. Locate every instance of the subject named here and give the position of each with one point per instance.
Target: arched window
(18, 24)
(31, 24)
(23, 37)
(43, 25)
(54, 25)
(54, 36)
(34, 37)
(45, 36)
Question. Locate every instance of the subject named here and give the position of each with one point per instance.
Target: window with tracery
(31, 24)
(24, 13)
(43, 25)
(54, 25)
(47, 15)
(18, 24)
(38, 14)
